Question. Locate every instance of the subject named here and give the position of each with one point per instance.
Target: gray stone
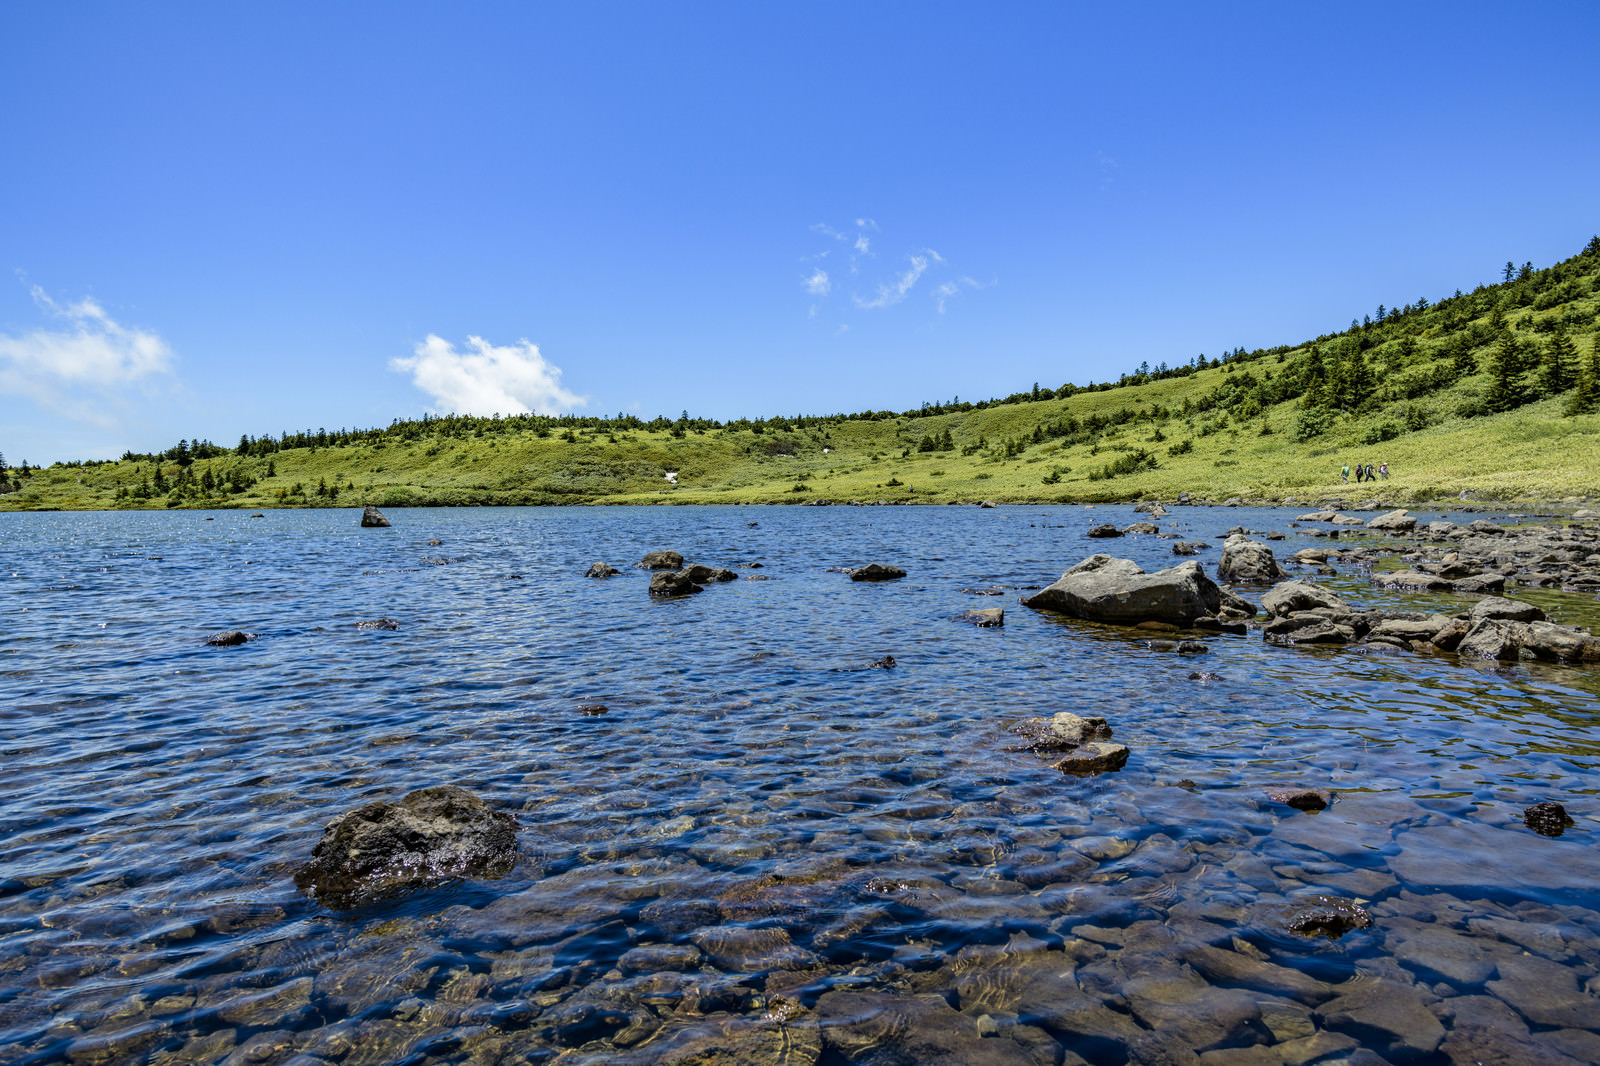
(1063, 732)
(1289, 597)
(1249, 562)
(1104, 589)
(1097, 756)
(985, 617)
(230, 638)
(1386, 1013)
(668, 584)
(1394, 522)
(372, 518)
(602, 570)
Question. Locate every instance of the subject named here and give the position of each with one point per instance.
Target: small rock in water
(668, 584)
(886, 663)
(1329, 916)
(602, 570)
(258, 514)
(664, 560)
(1204, 675)
(593, 710)
(987, 617)
(752, 524)
(1107, 530)
(383, 848)
(1301, 799)
(379, 623)
(876, 572)
(229, 638)
(1097, 756)
(1547, 819)
(372, 518)
(435, 542)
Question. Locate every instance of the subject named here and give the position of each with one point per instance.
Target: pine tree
(1510, 271)
(1586, 395)
(1462, 362)
(1557, 366)
(1506, 368)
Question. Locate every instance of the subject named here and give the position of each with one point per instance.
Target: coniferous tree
(1462, 362)
(1510, 271)
(1506, 369)
(1556, 369)
(1586, 394)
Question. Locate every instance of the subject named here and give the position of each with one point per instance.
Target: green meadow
(1496, 392)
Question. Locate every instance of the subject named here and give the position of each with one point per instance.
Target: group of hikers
(1365, 473)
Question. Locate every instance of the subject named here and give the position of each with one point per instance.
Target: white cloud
(826, 230)
(863, 245)
(951, 288)
(76, 370)
(818, 284)
(508, 380)
(894, 292)
(866, 223)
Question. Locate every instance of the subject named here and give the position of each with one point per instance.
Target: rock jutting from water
(1104, 589)
(386, 848)
(661, 560)
(379, 623)
(230, 638)
(984, 617)
(670, 583)
(372, 518)
(1547, 818)
(876, 572)
(1328, 916)
(602, 570)
(1083, 743)
(1248, 562)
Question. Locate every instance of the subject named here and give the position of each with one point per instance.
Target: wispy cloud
(77, 369)
(826, 230)
(893, 292)
(818, 284)
(946, 290)
(509, 380)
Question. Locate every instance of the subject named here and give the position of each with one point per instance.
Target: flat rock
(1097, 756)
(985, 617)
(1387, 1014)
(1394, 522)
(1063, 732)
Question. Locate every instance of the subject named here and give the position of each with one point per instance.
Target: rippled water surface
(764, 849)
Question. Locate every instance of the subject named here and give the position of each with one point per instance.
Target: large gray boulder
(372, 518)
(1103, 589)
(1499, 638)
(671, 583)
(1394, 522)
(385, 848)
(1291, 596)
(1248, 562)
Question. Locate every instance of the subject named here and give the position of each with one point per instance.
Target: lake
(763, 849)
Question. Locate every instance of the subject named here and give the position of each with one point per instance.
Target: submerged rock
(704, 575)
(1063, 732)
(372, 518)
(229, 638)
(984, 617)
(1328, 916)
(1103, 589)
(379, 623)
(1097, 756)
(1301, 799)
(876, 572)
(602, 570)
(385, 848)
(663, 560)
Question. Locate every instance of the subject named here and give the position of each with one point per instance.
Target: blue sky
(229, 218)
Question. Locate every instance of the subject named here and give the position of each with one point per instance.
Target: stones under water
(763, 850)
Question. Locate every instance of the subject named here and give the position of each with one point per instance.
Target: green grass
(1529, 455)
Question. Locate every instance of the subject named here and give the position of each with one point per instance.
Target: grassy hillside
(1496, 391)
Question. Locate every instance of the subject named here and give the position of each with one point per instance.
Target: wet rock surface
(229, 638)
(602, 570)
(876, 572)
(661, 560)
(389, 847)
(372, 518)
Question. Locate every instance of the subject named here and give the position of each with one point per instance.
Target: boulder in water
(1249, 562)
(385, 848)
(1106, 530)
(379, 623)
(1328, 916)
(670, 583)
(704, 575)
(230, 638)
(1103, 589)
(602, 570)
(372, 518)
(664, 560)
(1547, 819)
(876, 572)
(984, 617)
(1394, 522)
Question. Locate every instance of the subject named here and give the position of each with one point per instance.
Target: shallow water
(763, 850)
